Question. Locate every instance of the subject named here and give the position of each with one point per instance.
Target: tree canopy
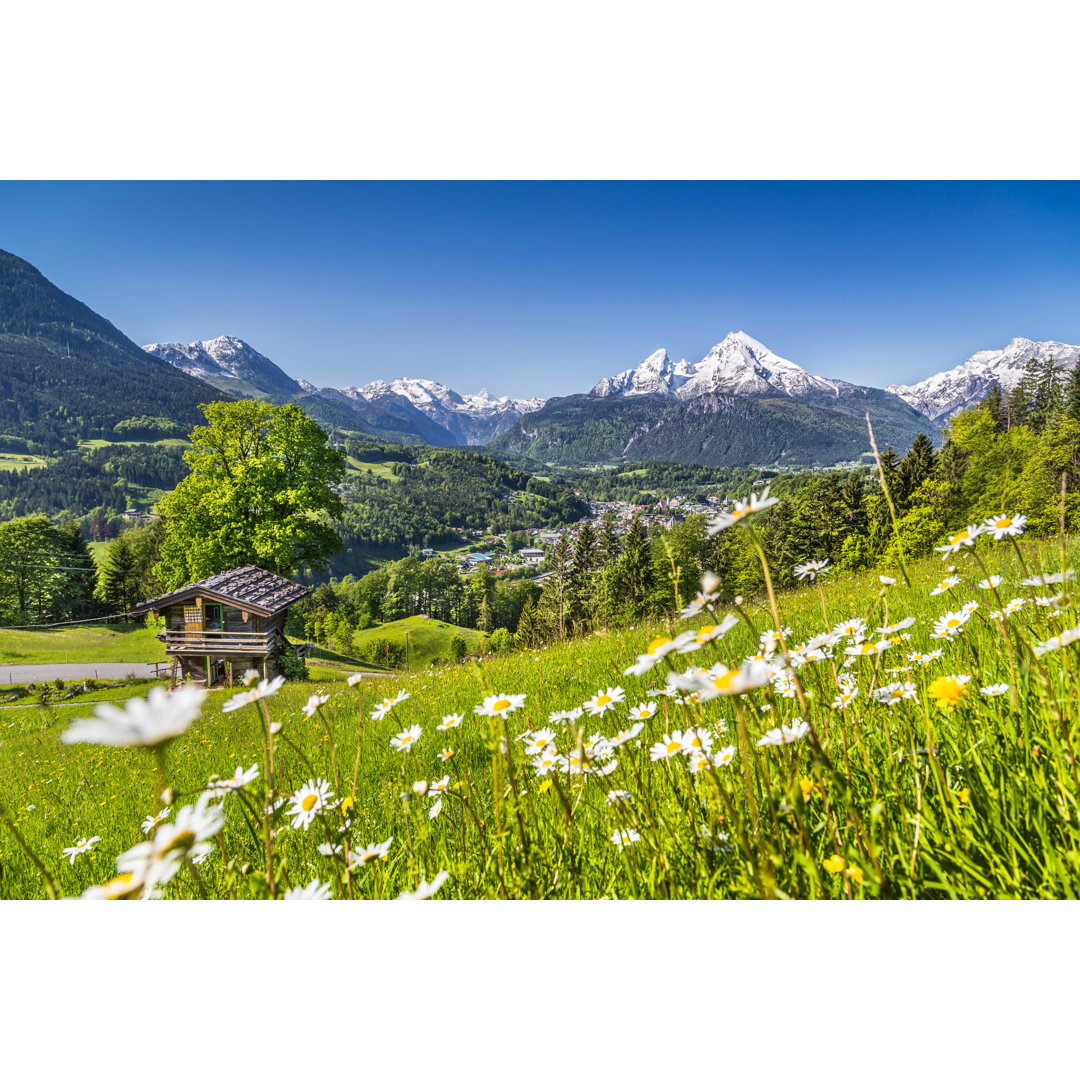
(259, 491)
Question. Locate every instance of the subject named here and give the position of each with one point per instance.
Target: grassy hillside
(946, 792)
(428, 638)
(123, 642)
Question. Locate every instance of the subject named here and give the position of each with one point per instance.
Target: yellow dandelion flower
(949, 690)
(807, 787)
(855, 873)
(834, 864)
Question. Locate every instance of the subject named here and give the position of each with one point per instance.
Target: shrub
(292, 666)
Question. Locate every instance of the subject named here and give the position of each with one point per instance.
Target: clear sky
(545, 288)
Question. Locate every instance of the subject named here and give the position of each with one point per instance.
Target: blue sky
(545, 288)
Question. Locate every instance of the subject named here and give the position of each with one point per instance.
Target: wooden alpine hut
(217, 628)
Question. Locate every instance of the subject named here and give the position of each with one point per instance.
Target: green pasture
(121, 642)
(904, 801)
(429, 639)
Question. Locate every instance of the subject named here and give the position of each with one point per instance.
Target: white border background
(582, 90)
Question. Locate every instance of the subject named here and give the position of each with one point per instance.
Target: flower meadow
(861, 736)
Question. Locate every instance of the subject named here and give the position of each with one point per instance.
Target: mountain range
(68, 373)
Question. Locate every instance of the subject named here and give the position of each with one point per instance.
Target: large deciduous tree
(259, 492)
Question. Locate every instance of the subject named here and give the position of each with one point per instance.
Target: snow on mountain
(655, 374)
(737, 365)
(741, 365)
(221, 359)
(472, 418)
(949, 392)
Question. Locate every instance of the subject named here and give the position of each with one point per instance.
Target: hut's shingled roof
(247, 585)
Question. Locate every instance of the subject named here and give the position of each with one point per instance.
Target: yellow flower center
(501, 705)
(656, 644)
(952, 622)
(696, 741)
(603, 699)
(706, 632)
(961, 535)
(674, 747)
(309, 802)
(1003, 523)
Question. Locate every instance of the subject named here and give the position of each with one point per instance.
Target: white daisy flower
(407, 739)
(157, 860)
(266, 688)
(706, 598)
(1058, 641)
(446, 754)
(724, 756)
(309, 802)
(239, 779)
(605, 700)
(1000, 527)
(895, 628)
(329, 849)
(868, 648)
(1049, 579)
(153, 722)
(315, 891)
(951, 623)
(850, 628)
(992, 582)
(624, 735)
(964, 538)
(535, 741)
(654, 652)
(435, 809)
(500, 704)
(945, 585)
(437, 787)
(741, 511)
(371, 853)
(897, 692)
(622, 838)
(314, 704)
(618, 795)
(642, 711)
(1015, 604)
(995, 689)
(885, 580)
(843, 699)
(785, 734)
(155, 819)
(812, 569)
(84, 843)
(353, 679)
(564, 715)
(449, 722)
(424, 891)
(670, 746)
(547, 761)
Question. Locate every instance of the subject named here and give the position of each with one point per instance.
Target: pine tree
(553, 600)
(853, 504)
(1072, 393)
(994, 404)
(77, 596)
(581, 603)
(530, 626)
(1017, 406)
(919, 464)
(633, 577)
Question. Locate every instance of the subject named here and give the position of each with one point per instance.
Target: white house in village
(531, 556)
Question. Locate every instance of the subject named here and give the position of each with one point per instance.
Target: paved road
(24, 673)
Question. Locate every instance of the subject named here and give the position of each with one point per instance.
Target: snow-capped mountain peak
(739, 364)
(221, 359)
(948, 392)
(656, 374)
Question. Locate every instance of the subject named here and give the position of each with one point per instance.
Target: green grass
(378, 469)
(96, 444)
(123, 642)
(429, 639)
(9, 461)
(914, 801)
